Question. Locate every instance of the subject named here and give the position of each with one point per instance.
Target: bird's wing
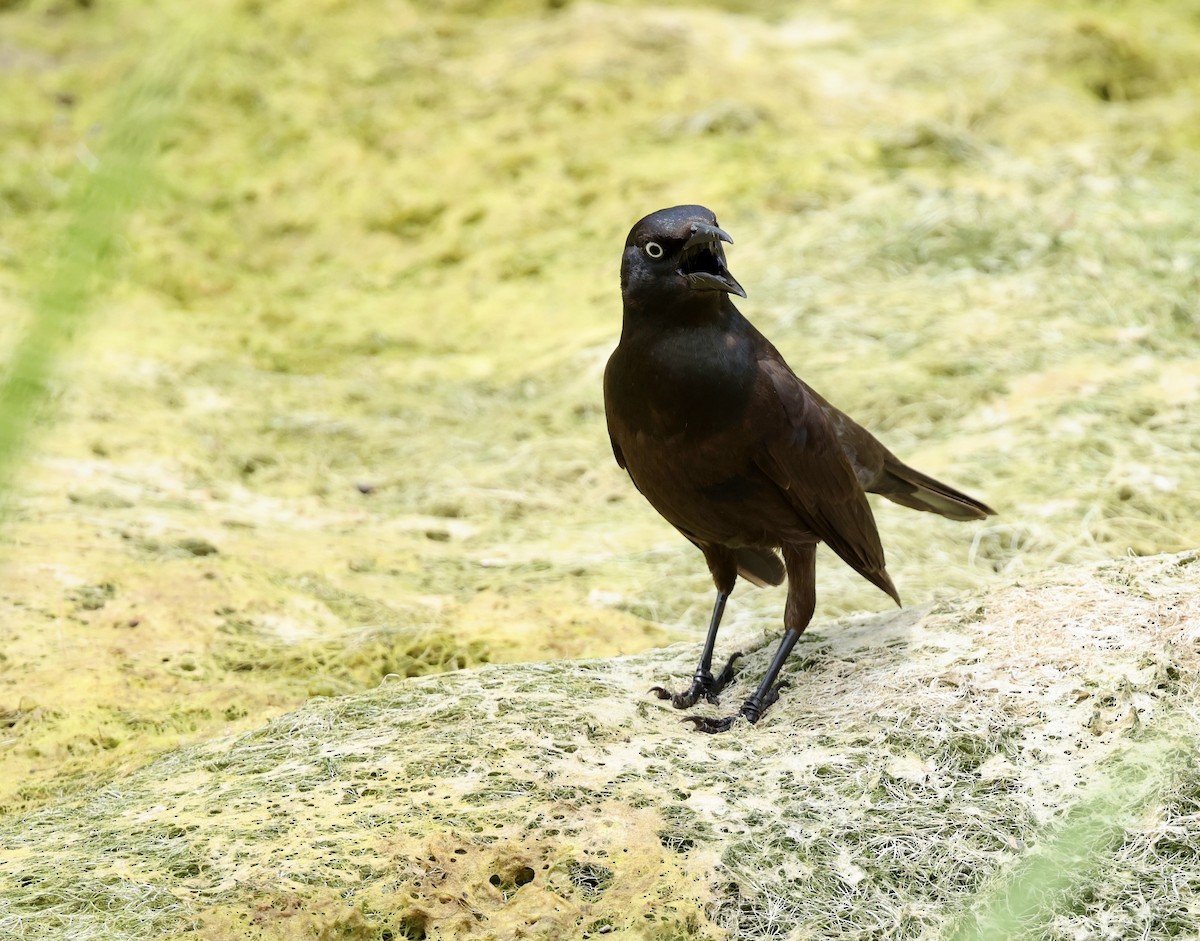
(608, 416)
(616, 450)
(880, 471)
(804, 457)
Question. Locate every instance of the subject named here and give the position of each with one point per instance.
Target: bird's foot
(701, 688)
(704, 686)
(711, 726)
(752, 710)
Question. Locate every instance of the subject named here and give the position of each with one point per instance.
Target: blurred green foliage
(110, 179)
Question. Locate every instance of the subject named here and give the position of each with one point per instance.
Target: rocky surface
(920, 762)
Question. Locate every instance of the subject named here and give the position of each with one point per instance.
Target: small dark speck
(196, 546)
(364, 487)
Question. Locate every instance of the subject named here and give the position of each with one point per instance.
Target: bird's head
(675, 255)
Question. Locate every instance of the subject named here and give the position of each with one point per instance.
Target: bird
(735, 451)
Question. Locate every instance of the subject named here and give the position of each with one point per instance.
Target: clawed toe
(726, 674)
(704, 686)
(684, 700)
(751, 711)
(711, 726)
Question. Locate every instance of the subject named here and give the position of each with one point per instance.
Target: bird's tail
(908, 487)
(760, 566)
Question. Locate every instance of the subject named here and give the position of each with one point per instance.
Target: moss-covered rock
(920, 771)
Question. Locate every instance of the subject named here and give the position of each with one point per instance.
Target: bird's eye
(654, 250)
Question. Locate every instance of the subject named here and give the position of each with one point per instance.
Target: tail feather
(908, 487)
(883, 582)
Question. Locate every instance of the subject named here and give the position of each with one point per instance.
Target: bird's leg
(766, 694)
(704, 684)
(801, 602)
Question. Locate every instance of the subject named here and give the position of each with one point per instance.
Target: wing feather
(805, 459)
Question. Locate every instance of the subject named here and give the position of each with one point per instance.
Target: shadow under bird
(737, 452)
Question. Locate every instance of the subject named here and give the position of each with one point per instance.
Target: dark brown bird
(734, 450)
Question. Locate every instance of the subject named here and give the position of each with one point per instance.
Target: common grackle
(734, 450)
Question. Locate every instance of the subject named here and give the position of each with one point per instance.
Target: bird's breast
(685, 383)
(685, 415)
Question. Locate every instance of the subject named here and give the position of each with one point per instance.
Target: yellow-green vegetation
(905, 788)
(378, 253)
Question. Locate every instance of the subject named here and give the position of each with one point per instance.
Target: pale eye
(654, 250)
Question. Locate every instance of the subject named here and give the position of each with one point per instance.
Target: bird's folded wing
(616, 448)
(803, 456)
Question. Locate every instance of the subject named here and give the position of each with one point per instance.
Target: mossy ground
(378, 253)
(1017, 763)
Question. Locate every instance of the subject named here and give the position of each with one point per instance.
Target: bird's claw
(711, 726)
(753, 708)
(704, 686)
(751, 711)
(773, 696)
(687, 698)
(726, 673)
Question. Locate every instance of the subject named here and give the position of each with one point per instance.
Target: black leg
(766, 694)
(768, 689)
(704, 684)
(801, 602)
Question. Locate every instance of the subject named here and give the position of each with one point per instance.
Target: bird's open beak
(703, 261)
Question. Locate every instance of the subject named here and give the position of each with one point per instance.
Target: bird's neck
(701, 311)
